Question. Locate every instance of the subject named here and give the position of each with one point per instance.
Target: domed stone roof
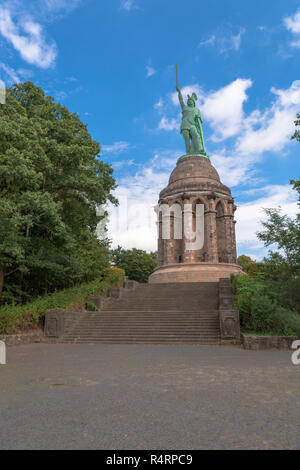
(194, 174)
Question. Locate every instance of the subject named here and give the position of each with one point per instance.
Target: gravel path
(60, 396)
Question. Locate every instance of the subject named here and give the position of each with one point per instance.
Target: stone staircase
(181, 313)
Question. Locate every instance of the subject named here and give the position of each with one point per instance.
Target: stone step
(185, 313)
(142, 332)
(166, 312)
(148, 326)
(132, 322)
(142, 338)
(146, 341)
(153, 315)
(158, 307)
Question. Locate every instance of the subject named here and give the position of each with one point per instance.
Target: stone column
(228, 222)
(234, 255)
(211, 236)
(160, 245)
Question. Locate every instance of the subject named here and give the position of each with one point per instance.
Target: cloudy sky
(113, 62)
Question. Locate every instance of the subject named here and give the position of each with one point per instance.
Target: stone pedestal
(195, 181)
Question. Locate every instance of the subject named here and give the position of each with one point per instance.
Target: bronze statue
(191, 125)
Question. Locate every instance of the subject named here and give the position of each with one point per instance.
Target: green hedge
(17, 318)
(262, 308)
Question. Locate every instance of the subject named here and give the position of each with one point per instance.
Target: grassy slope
(22, 318)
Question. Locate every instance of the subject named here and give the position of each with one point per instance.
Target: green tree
(51, 182)
(244, 261)
(283, 231)
(137, 264)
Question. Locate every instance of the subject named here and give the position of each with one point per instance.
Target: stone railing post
(228, 314)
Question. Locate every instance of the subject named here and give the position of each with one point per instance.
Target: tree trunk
(1, 279)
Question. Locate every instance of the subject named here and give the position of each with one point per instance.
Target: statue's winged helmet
(194, 97)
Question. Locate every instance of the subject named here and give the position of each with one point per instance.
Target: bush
(91, 307)
(286, 323)
(260, 303)
(289, 294)
(254, 268)
(114, 276)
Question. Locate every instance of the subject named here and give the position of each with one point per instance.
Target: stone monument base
(195, 272)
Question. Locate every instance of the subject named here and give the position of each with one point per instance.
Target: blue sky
(113, 62)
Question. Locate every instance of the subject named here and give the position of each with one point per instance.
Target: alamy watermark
(2, 92)
(174, 222)
(2, 353)
(295, 358)
(188, 223)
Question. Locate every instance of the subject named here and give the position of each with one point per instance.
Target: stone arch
(200, 200)
(175, 201)
(221, 202)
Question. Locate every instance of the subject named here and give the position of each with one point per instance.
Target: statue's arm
(180, 98)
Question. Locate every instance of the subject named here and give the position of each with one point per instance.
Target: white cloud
(31, 45)
(168, 124)
(236, 40)
(159, 104)
(26, 74)
(224, 108)
(233, 168)
(165, 159)
(259, 132)
(295, 43)
(116, 147)
(11, 73)
(224, 42)
(150, 71)
(128, 5)
(72, 79)
(60, 95)
(271, 130)
(232, 42)
(123, 163)
(250, 214)
(292, 23)
(208, 42)
(66, 5)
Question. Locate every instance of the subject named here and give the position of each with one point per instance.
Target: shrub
(286, 323)
(91, 307)
(114, 276)
(260, 303)
(254, 268)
